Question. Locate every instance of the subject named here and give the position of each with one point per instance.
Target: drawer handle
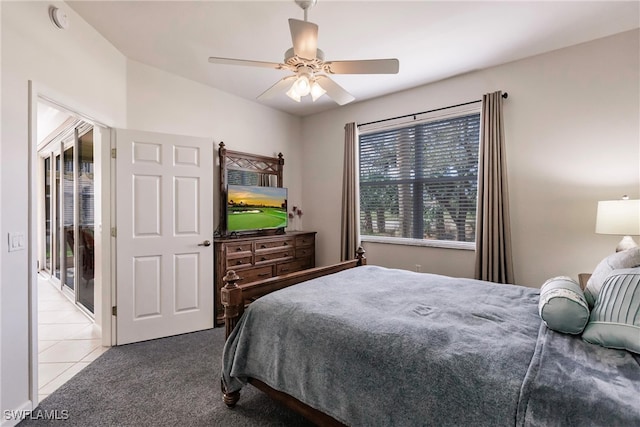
(263, 259)
(286, 254)
(284, 269)
(238, 262)
(285, 244)
(263, 247)
(263, 274)
(238, 249)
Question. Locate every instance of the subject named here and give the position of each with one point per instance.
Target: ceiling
(432, 40)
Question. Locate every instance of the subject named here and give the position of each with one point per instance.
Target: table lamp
(619, 217)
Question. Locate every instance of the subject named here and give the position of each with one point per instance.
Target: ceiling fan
(310, 69)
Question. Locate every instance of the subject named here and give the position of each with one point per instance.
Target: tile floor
(67, 339)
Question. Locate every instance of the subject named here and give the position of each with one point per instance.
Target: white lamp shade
(293, 94)
(620, 217)
(316, 91)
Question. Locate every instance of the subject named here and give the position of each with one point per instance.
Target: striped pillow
(615, 319)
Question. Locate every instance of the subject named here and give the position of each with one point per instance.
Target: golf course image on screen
(256, 208)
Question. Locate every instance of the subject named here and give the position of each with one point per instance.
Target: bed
(369, 346)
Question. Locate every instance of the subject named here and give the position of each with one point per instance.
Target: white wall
(78, 68)
(162, 102)
(572, 125)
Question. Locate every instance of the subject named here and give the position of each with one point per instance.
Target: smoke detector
(59, 17)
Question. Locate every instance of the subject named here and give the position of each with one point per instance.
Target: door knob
(205, 243)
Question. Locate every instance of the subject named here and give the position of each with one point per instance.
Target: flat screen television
(253, 208)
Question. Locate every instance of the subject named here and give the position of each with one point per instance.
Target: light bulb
(302, 85)
(316, 91)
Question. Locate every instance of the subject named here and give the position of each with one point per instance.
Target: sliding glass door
(56, 216)
(68, 253)
(84, 196)
(48, 189)
(67, 219)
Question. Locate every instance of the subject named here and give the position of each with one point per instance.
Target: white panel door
(164, 220)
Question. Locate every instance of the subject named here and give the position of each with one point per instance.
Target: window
(418, 182)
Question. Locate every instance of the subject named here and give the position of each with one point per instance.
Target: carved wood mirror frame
(230, 160)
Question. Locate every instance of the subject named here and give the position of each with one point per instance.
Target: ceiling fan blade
(245, 62)
(366, 66)
(304, 35)
(334, 90)
(281, 86)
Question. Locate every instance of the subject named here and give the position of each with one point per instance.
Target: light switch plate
(17, 241)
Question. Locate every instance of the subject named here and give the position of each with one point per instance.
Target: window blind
(420, 181)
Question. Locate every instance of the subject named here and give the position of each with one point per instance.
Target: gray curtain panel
(350, 227)
(493, 236)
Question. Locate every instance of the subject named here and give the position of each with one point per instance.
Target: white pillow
(629, 258)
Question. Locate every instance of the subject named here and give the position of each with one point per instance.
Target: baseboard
(11, 417)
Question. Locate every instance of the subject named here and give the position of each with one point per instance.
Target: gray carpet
(171, 381)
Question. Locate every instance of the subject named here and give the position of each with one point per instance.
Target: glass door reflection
(47, 214)
(85, 199)
(68, 206)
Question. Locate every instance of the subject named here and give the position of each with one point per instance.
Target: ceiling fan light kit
(310, 69)
(303, 86)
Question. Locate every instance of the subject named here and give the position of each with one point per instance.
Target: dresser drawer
(234, 248)
(305, 241)
(254, 274)
(263, 245)
(290, 267)
(236, 262)
(302, 252)
(281, 255)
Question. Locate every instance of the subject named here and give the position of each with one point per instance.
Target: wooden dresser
(260, 257)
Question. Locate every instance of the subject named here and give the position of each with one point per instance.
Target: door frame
(104, 211)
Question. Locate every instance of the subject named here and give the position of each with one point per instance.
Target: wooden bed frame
(235, 297)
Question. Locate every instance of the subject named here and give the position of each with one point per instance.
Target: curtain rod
(504, 95)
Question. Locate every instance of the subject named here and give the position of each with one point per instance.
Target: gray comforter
(378, 347)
